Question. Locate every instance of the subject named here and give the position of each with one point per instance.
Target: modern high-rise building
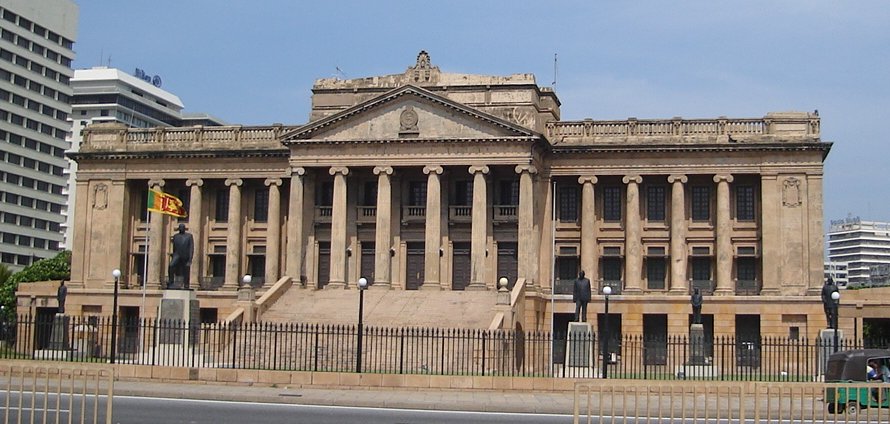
(103, 95)
(862, 245)
(35, 92)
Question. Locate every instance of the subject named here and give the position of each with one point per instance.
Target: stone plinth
(579, 351)
(697, 344)
(178, 312)
(59, 336)
(826, 346)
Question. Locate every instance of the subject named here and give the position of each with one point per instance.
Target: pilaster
(588, 223)
(678, 230)
(528, 240)
(724, 237)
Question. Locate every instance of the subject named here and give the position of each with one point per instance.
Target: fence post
(402, 351)
(484, 350)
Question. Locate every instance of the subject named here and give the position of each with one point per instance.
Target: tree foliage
(55, 268)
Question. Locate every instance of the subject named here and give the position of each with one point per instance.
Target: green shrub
(55, 268)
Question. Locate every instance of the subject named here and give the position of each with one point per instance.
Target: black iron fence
(315, 347)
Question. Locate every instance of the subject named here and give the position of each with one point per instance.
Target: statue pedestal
(579, 343)
(59, 335)
(826, 346)
(697, 344)
(179, 318)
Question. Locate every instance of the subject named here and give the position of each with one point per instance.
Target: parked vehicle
(851, 367)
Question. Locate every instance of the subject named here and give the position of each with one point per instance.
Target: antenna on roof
(555, 69)
(340, 72)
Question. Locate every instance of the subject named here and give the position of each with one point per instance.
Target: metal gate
(52, 392)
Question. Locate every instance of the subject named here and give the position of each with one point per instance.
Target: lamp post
(836, 299)
(607, 290)
(362, 285)
(117, 276)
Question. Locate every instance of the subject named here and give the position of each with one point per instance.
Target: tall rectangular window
(612, 203)
(655, 203)
(261, 205)
(463, 193)
(701, 203)
(325, 194)
(222, 205)
(612, 270)
(417, 193)
(509, 192)
(568, 202)
(701, 269)
(744, 203)
(746, 269)
(655, 273)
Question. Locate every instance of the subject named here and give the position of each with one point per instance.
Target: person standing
(581, 297)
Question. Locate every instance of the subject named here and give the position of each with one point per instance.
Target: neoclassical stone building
(427, 180)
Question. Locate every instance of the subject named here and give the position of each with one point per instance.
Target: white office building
(36, 51)
(862, 245)
(837, 271)
(104, 94)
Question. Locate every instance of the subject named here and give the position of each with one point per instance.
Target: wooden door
(460, 278)
(415, 265)
(324, 264)
(508, 262)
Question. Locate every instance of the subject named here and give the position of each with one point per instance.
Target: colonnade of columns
(678, 233)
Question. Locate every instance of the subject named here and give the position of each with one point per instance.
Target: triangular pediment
(405, 113)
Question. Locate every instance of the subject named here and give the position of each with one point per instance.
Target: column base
(724, 292)
(431, 286)
(678, 291)
(476, 287)
(632, 291)
(335, 285)
(771, 292)
(380, 285)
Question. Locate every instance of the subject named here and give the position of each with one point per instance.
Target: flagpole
(145, 274)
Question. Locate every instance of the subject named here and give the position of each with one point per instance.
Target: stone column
(196, 227)
(295, 244)
(338, 229)
(724, 237)
(588, 222)
(433, 235)
(678, 235)
(156, 243)
(479, 228)
(527, 238)
(273, 232)
(233, 235)
(633, 231)
(383, 240)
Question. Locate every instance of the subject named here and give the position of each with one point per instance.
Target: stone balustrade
(784, 125)
(115, 137)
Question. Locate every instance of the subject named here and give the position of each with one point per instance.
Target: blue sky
(254, 62)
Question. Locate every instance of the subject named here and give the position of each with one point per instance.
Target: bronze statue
(61, 294)
(183, 249)
(828, 304)
(581, 297)
(697, 301)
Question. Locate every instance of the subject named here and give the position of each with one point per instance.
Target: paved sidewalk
(456, 400)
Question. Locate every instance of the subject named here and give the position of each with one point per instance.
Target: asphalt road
(142, 410)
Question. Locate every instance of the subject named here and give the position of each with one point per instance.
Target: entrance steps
(385, 308)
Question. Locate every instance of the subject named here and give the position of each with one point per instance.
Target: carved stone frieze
(791, 192)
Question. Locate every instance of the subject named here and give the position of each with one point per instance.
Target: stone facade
(436, 181)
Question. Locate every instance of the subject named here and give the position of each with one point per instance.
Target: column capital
(478, 168)
(194, 182)
(156, 183)
(273, 181)
(675, 178)
(587, 179)
(297, 171)
(234, 181)
(531, 169)
(339, 170)
(632, 178)
(723, 177)
(438, 170)
(383, 169)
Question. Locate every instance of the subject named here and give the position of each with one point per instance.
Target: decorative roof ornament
(422, 71)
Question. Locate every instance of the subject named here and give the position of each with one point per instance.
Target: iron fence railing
(437, 351)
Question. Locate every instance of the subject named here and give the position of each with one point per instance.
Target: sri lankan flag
(158, 201)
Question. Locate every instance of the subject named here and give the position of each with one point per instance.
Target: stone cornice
(517, 139)
(199, 154)
(663, 148)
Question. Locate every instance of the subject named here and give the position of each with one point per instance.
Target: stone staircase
(385, 308)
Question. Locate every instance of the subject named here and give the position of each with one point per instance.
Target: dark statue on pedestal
(581, 297)
(181, 262)
(697, 301)
(61, 295)
(828, 304)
